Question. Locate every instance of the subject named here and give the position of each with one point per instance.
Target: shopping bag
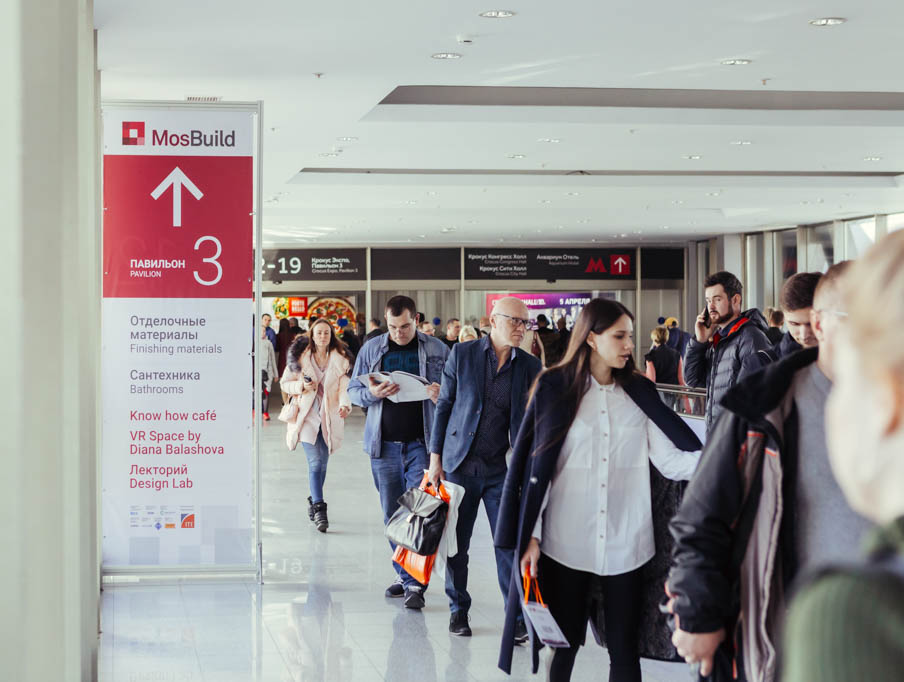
(539, 616)
(420, 566)
(419, 521)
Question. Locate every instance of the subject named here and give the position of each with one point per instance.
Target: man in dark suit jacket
(480, 408)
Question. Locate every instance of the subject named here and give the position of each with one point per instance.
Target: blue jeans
(318, 454)
(400, 466)
(488, 489)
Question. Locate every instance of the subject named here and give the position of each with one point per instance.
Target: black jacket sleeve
(696, 365)
(700, 579)
(506, 536)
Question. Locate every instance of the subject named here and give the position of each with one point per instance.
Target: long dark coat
(528, 478)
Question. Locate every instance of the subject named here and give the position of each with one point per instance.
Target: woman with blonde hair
(847, 622)
(467, 333)
(316, 378)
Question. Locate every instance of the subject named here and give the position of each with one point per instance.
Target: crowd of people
(594, 486)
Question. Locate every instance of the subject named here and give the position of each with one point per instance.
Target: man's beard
(722, 319)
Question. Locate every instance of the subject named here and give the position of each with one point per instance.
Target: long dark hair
(335, 342)
(574, 367)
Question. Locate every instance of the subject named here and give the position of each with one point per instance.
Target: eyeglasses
(514, 322)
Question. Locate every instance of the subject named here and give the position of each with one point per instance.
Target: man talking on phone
(723, 337)
(396, 433)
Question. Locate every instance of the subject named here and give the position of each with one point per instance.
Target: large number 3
(212, 260)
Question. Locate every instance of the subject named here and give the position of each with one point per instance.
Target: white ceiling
(810, 162)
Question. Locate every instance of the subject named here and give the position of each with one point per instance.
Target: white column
(49, 244)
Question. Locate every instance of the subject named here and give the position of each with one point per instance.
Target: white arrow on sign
(621, 263)
(178, 180)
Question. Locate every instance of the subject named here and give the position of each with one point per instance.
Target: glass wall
(785, 255)
(820, 247)
(859, 235)
(754, 270)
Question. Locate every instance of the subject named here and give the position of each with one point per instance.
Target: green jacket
(849, 625)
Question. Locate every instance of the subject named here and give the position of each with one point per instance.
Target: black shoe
(310, 509)
(458, 624)
(414, 598)
(521, 635)
(320, 520)
(397, 589)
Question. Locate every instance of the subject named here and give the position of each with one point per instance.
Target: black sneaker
(414, 598)
(521, 635)
(397, 589)
(458, 624)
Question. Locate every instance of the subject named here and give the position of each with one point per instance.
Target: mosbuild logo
(192, 138)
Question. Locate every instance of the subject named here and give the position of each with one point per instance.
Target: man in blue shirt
(480, 408)
(396, 434)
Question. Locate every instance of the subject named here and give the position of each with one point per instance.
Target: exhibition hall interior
(199, 484)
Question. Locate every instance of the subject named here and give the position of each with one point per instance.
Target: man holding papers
(396, 377)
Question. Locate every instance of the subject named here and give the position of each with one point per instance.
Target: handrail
(687, 401)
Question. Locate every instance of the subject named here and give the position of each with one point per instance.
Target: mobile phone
(707, 320)
(307, 379)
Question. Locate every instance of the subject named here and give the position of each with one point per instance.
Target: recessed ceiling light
(736, 62)
(741, 143)
(692, 157)
(545, 201)
(573, 194)
(624, 234)
(330, 154)
(872, 158)
(584, 221)
(431, 194)
(550, 140)
(446, 55)
(560, 227)
(497, 14)
(516, 156)
(347, 139)
(713, 194)
(666, 227)
(446, 230)
(678, 202)
(411, 202)
(828, 21)
(638, 231)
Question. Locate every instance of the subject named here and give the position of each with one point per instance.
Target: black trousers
(567, 593)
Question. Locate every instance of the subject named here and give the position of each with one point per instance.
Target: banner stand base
(148, 575)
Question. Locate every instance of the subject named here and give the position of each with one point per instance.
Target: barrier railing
(685, 400)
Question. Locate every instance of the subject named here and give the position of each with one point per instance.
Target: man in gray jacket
(723, 337)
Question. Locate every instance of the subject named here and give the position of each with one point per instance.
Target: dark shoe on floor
(414, 598)
(520, 632)
(320, 520)
(310, 509)
(458, 624)
(397, 589)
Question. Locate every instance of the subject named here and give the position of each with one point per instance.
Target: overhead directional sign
(177, 180)
(549, 264)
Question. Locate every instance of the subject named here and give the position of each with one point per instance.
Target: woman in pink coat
(316, 378)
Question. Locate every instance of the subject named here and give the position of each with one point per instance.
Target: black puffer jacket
(716, 365)
(756, 362)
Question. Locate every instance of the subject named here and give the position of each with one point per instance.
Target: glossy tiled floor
(321, 614)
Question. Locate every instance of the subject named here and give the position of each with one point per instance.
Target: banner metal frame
(114, 575)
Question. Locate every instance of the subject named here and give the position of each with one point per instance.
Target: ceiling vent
(203, 100)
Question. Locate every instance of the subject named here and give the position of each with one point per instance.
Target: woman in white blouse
(595, 522)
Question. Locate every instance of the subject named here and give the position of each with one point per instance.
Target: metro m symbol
(596, 265)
